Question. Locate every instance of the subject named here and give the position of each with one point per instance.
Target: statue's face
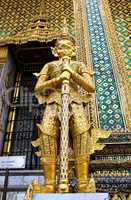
(65, 48)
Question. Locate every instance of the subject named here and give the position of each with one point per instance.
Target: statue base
(71, 196)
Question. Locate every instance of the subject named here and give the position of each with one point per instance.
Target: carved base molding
(120, 196)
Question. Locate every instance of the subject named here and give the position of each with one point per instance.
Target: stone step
(71, 196)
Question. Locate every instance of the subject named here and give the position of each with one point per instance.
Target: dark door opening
(24, 111)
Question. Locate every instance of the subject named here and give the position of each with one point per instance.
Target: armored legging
(49, 130)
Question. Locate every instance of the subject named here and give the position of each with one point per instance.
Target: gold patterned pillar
(3, 60)
(3, 55)
(84, 53)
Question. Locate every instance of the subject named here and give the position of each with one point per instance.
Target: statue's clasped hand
(66, 72)
(67, 69)
(65, 75)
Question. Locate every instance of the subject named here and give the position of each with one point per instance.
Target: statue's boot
(84, 184)
(49, 168)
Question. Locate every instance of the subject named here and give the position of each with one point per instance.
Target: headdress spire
(65, 34)
(65, 30)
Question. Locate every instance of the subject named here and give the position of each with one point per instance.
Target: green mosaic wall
(109, 108)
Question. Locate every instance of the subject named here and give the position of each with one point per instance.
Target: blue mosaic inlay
(110, 113)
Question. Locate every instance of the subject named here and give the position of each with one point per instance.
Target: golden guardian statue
(65, 119)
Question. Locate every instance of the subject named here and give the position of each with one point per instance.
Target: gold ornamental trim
(31, 34)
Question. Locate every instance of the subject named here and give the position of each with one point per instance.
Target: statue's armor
(49, 129)
(83, 141)
(53, 70)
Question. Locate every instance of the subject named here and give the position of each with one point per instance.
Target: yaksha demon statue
(64, 119)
